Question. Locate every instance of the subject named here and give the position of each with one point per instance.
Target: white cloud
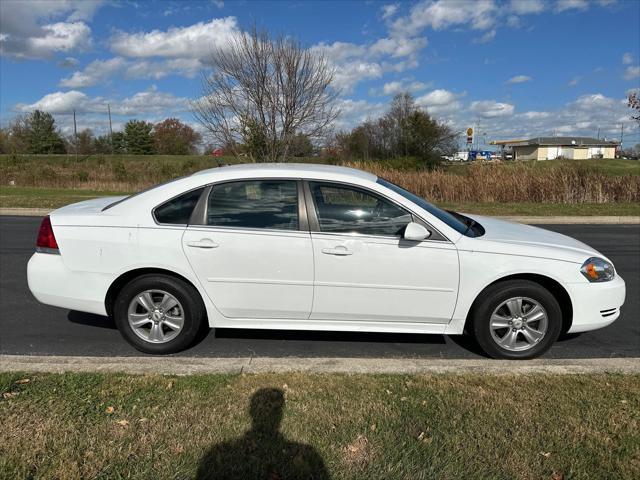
(354, 63)
(219, 3)
(491, 109)
(522, 7)
(398, 46)
(69, 62)
(194, 41)
(389, 11)
(533, 115)
(631, 72)
(59, 102)
(354, 112)
(442, 14)
(563, 5)
(439, 102)
(574, 81)
(519, 79)
(627, 58)
(142, 103)
(185, 67)
(399, 86)
(96, 72)
(37, 29)
(486, 37)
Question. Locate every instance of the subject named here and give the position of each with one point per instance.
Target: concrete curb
(25, 212)
(531, 220)
(189, 366)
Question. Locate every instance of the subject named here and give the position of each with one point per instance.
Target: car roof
(286, 169)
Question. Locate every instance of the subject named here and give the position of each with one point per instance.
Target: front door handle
(339, 250)
(204, 243)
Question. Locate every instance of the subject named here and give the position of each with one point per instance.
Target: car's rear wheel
(159, 314)
(516, 319)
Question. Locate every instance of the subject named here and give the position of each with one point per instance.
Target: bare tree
(263, 92)
(634, 105)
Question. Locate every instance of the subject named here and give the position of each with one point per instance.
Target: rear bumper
(52, 283)
(596, 305)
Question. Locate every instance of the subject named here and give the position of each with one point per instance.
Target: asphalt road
(29, 328)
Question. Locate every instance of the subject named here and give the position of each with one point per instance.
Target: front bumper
(52, 283)
(596, 305)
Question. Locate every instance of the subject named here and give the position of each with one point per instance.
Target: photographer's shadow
(263, 452)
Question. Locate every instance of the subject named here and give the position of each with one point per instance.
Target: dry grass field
(593, 187)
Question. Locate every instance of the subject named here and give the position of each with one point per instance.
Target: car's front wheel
(516, 319)
(159, 314)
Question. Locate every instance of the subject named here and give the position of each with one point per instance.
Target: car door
(365, 271)
(252, 251)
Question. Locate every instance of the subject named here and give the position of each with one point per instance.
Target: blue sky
(520, 68)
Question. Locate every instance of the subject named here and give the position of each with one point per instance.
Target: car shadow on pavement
(328, 336)
(91, 320)
(263, 451)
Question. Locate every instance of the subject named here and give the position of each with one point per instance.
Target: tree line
(405, 130)
(37, 133)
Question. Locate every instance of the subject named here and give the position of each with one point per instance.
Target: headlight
(597, 270)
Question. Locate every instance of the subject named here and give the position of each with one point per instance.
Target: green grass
(32, 197)
(345, 426)
(26, 197)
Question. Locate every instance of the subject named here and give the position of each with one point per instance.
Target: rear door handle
(339, 250)
(204, 243)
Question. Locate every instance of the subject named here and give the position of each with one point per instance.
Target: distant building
(550, 148)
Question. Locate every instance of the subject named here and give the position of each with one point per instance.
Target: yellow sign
(469, 132)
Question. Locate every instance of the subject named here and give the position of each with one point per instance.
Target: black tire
(194, 312)
(495, 295)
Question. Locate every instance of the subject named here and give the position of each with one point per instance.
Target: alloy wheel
(518, 324)
(155, 316)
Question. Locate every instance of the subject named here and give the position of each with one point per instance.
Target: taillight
(46, 242)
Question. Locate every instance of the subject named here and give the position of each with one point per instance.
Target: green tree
(427, 139)
(107, 144)
(138, 137)
(172, 137)
(42, 136)
(84, 144)
(301, 146)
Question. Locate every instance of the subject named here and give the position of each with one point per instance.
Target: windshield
(452, 221)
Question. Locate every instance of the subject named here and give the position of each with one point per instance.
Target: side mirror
(416, 232)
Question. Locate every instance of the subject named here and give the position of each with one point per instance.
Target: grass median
(332, 426)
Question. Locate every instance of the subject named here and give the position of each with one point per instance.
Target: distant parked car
(315, 247)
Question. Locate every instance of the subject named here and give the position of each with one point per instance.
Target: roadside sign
(469, 132)
(469, 140)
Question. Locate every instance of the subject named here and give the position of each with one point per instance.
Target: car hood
(532, 241)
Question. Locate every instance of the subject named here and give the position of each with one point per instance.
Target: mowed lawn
(278, 426)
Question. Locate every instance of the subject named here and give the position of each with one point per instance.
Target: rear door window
(268, 204)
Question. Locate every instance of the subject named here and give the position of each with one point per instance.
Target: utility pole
(75, 132)
(110, 128)
(598, 133)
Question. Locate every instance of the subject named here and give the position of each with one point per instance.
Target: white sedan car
(315, 247)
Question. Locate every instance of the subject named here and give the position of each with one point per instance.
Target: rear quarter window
(178, 210)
